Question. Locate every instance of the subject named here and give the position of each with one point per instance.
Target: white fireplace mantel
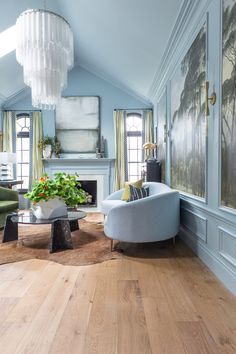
(101, 169)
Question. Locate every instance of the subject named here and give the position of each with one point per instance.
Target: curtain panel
(119, 123)
(37, 163)
(8, 131)
(148, 131)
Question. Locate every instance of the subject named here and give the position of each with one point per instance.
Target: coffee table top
(27, 217)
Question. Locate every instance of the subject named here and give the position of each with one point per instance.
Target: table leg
(74, 225)
(60, 236)
(10, 230)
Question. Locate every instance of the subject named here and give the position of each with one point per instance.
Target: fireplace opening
(90, 188)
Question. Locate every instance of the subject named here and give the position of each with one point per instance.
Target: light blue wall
(83, 83)
(207, 227)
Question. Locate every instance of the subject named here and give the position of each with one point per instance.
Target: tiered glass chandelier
(44, 47)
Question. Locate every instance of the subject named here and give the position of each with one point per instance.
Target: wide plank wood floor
(172, 304)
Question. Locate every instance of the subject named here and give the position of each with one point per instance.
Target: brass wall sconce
(211, 99)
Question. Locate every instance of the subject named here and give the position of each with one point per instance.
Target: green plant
(46, 140)
(57, 146)
(63, 185)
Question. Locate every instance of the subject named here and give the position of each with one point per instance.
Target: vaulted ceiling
(122, 41)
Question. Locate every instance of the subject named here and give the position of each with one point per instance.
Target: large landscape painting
(228, 146)
(161, 143)
(188, 135)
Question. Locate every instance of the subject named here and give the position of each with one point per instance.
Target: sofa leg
(174, 241)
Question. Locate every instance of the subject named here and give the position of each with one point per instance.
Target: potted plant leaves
(52, 196)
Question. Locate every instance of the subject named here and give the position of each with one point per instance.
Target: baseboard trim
(218, 267)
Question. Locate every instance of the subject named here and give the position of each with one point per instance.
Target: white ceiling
(122, 41)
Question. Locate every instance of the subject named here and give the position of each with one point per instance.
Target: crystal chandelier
(44, 47)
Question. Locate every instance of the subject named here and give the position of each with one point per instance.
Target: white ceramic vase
(47, 152)
(51, 209)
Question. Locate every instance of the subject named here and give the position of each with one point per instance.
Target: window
(7, 41)
(134, 138)
(23, 149)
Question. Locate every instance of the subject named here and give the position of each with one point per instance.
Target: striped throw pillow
(138, 193)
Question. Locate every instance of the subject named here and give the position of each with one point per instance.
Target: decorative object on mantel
(100, 153)
(44, 47)
(52, 196)
(57, 147)
(46, 144)
(103, 146)
(78, 124)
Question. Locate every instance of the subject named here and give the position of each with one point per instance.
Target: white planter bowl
(51, 209)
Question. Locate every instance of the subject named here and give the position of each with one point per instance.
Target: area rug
(90, 244)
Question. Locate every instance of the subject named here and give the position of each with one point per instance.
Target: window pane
(135, 155)
(139, 166)
(19, 125)
(139, 142)
(18, 156)
(133, 178)
(25, 155)
(134, 123)
(133, 142)
(134, 130)
(22, 124)
(133, 169)
(25, 143)
(27, 122)
(25, 184)
(25, 169)
(22, 149)
(18, 170)
(18, 144)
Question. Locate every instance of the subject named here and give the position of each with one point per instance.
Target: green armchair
(9, 202)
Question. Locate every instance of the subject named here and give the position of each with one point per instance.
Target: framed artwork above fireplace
(78, 124)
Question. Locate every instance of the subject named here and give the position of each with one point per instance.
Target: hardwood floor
(172, 304)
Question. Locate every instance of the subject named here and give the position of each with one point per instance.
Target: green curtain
(37, 163)
(148, 131)
(119, 123)
(7, 131)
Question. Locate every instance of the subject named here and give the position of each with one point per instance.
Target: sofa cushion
(108, 204)
(8, 205)
(138, 193)
(126, 194)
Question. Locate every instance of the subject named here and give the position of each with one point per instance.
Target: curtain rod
(22, 110)
(133, 109)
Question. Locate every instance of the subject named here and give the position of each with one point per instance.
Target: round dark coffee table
(61, 228)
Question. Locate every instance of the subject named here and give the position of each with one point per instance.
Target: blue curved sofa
(150, 219)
